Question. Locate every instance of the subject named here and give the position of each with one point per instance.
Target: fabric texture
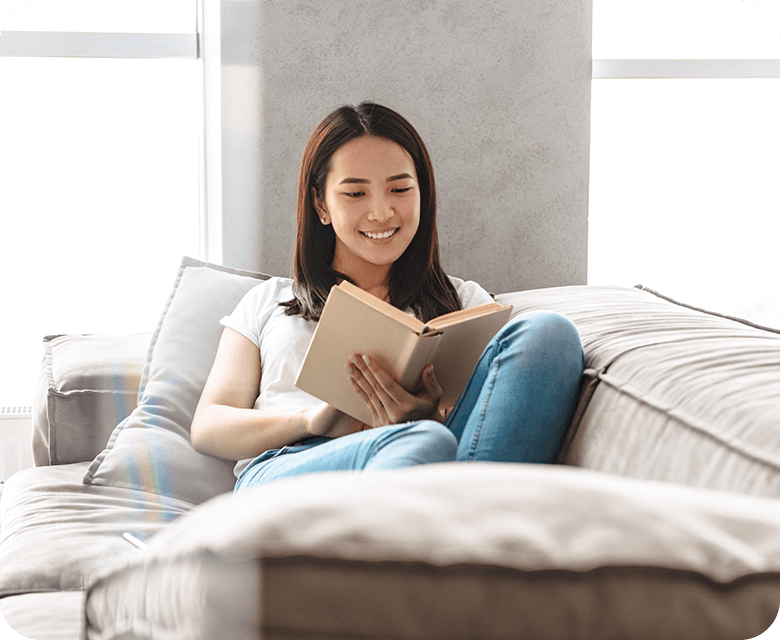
(87, 385)
(457, 550)
(670, 393)
(283, 341)
(57, 615)
(150, 449)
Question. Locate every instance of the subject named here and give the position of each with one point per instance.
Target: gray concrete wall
(499, 90)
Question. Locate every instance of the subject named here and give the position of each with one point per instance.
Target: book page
(458, 316)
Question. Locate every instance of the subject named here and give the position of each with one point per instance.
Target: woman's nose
(381, 210)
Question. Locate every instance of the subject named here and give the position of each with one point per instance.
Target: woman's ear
(319, 206)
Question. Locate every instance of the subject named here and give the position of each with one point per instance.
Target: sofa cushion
(671, 393)
(58, 532)
(87, 385)
(151, 448)
(455, 551)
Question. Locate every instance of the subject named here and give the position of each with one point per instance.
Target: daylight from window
(684, 190)
(99, 165)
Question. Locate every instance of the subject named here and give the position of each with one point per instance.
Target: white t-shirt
(283, 340)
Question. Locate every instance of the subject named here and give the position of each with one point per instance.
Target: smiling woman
(367, 214)
(100, 195)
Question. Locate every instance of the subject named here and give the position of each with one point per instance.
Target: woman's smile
(380, 235)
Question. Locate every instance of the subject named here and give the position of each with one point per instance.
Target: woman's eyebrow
(400, 176)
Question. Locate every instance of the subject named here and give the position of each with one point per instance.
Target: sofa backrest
(670, 393)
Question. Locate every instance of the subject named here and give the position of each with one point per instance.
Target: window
(100, 168)
(685, 152)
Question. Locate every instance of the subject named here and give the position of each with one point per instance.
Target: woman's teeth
(379, 236)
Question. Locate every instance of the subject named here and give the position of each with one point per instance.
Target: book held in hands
(354, 322)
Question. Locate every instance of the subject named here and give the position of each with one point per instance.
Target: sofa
(660, 518)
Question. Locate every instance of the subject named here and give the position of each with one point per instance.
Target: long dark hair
(416, 279)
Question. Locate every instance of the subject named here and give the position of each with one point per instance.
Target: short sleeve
(471, 293)
(253, 310)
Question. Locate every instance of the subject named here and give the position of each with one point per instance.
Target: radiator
(15, 440)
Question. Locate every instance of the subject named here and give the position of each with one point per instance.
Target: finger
(388, 390)
(399, 404)
(432, 387)
(361, 363)
(367, 393)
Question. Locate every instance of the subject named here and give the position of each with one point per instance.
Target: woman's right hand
(326, 420)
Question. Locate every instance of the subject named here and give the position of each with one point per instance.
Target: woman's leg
(391, 447)
(518, 403)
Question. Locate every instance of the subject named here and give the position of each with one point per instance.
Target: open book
(356, 322)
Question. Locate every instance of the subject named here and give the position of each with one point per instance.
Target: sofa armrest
(86, 386)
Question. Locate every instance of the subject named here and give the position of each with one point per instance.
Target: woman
(367, 213)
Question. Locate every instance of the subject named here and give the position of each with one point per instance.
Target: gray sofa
(661, 520)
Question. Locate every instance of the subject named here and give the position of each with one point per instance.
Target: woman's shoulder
(271, 291)
(264, 297)
(471, 293)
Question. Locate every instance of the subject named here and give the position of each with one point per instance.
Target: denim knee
(439, 440)
(545, 331)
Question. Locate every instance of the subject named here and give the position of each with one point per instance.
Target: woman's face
(372, 199)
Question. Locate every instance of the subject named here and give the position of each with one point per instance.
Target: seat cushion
(456, 551)
(56, 615)
(58, 532)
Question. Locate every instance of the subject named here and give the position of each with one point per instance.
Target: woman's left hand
(387, 400)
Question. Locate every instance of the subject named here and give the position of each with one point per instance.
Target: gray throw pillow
(150, 449)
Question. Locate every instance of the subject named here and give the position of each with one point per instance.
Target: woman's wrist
(319, 420)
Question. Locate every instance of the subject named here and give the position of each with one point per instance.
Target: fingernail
(366, 360)
(353, 360)
(349, 369)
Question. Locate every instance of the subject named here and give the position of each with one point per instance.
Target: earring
(322, 220)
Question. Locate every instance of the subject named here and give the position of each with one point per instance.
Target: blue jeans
(516, 407)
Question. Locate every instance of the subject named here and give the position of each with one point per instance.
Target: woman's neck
(373, 281)
(378, 289)
(375, 284)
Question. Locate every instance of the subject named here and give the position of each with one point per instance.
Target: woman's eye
(353, 194)
(402, 190)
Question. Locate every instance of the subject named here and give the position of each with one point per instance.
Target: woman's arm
(227, 426)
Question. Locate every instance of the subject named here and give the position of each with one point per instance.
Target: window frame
(624, 69)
